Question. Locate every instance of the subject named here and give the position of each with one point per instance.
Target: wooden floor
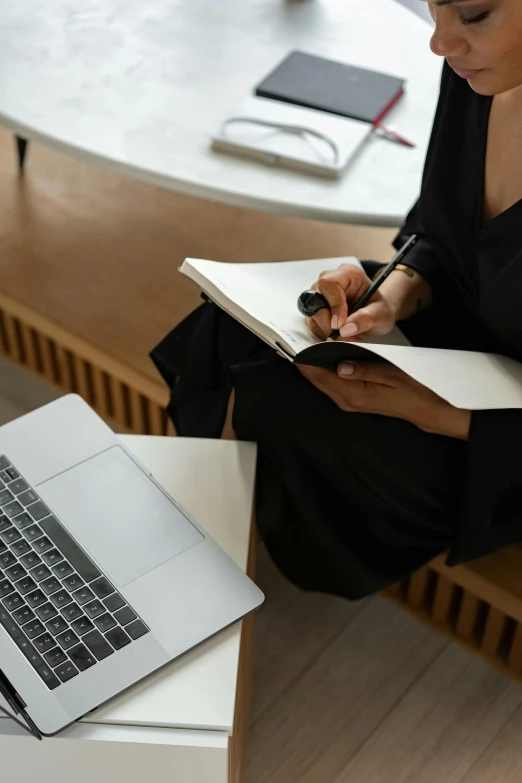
(357, 693)
(344, 693)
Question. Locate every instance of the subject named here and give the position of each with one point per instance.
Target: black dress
(349, 503)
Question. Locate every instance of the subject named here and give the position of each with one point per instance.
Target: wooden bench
(479, 604)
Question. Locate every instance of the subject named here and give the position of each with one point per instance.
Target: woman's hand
(381, 388)
(343, 287)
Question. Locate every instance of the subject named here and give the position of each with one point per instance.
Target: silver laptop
(103, 577)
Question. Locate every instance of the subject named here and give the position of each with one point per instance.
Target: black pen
(311, 301)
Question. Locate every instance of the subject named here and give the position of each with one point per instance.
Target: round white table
(139, 86)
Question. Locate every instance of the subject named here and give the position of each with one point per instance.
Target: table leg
(21, 148)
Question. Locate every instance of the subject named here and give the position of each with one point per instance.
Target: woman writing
(364, 475)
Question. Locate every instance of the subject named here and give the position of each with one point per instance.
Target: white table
(177, 725)
(138, 86)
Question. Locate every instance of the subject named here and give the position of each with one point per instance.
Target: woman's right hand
(343, 287)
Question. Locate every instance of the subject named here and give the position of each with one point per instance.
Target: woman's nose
(445, 42)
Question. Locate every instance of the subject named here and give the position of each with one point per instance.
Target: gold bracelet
(399, 268)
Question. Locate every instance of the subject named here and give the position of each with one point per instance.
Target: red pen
(392, 135)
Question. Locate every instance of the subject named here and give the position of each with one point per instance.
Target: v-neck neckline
(484, 228)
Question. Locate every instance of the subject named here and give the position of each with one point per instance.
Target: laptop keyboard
(55, 603)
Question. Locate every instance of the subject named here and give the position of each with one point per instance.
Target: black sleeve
(421, 257)
(491, 514)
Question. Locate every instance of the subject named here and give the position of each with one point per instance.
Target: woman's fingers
(342, 284)
(376, 372)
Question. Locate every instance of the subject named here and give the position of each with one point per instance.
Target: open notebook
(263, 297)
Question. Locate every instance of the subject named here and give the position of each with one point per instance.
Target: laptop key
(34, 629)
(50, 586)
(15, 572)
(18, 486)
(22, 521)
(10, 535)
(101, 588)
(118, 638)
(23, 615)
(104, 623)
(36, 598)
(56, 625)
(55, 656)
(38, 510)
(12, 509)
(48, 677)
(70, 549)
(66, 671)
(32, 533)
(125, 615)
(72, 582)
(20, 548)
(4, 523)
(82, 625)
(40, 573)
(42, 545)
(52, 557)
(114, 602)
(7, 559)
(9, 625)
(26, 585)
(44, 643)
(12, 473)
(5, 497)
(13, 601)
(3, 547)
(99, 647)
(4, 463)
(30, 559)
(61, 599)
(93, 609)
(71, 612)
(46, 612)
(26, 498)
(62, 569)
(81, 656)
(136, 629)
(6, 588)
(83, 596)
(67, 639)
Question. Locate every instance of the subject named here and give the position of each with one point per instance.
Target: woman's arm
(407, 293)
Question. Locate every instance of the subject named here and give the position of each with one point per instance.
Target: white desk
(138, 86)
(177, 725)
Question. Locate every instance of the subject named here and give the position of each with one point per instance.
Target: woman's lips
(467, 73)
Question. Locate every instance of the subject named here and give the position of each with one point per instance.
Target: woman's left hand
(381, 388)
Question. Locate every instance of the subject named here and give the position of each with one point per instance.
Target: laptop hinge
(17, 704)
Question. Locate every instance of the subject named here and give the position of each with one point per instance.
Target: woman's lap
(346, 503)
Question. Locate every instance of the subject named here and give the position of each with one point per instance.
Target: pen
(311, 301)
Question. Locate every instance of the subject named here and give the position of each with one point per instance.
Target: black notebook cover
(306, 80)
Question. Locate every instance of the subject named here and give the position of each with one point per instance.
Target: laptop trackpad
(119, 515)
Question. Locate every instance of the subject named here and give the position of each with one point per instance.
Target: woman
(364, 475)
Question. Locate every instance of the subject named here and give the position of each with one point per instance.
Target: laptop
(104, 578)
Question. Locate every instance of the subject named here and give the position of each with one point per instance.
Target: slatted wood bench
(478, 603)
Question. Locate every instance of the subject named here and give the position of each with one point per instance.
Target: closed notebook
(326, 85)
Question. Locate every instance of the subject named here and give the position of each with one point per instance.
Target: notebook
(263, 297)
(329, 86)
(279, 134)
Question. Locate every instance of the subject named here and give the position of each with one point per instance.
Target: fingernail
(335, 322)
(345, 369)
(348, 330)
